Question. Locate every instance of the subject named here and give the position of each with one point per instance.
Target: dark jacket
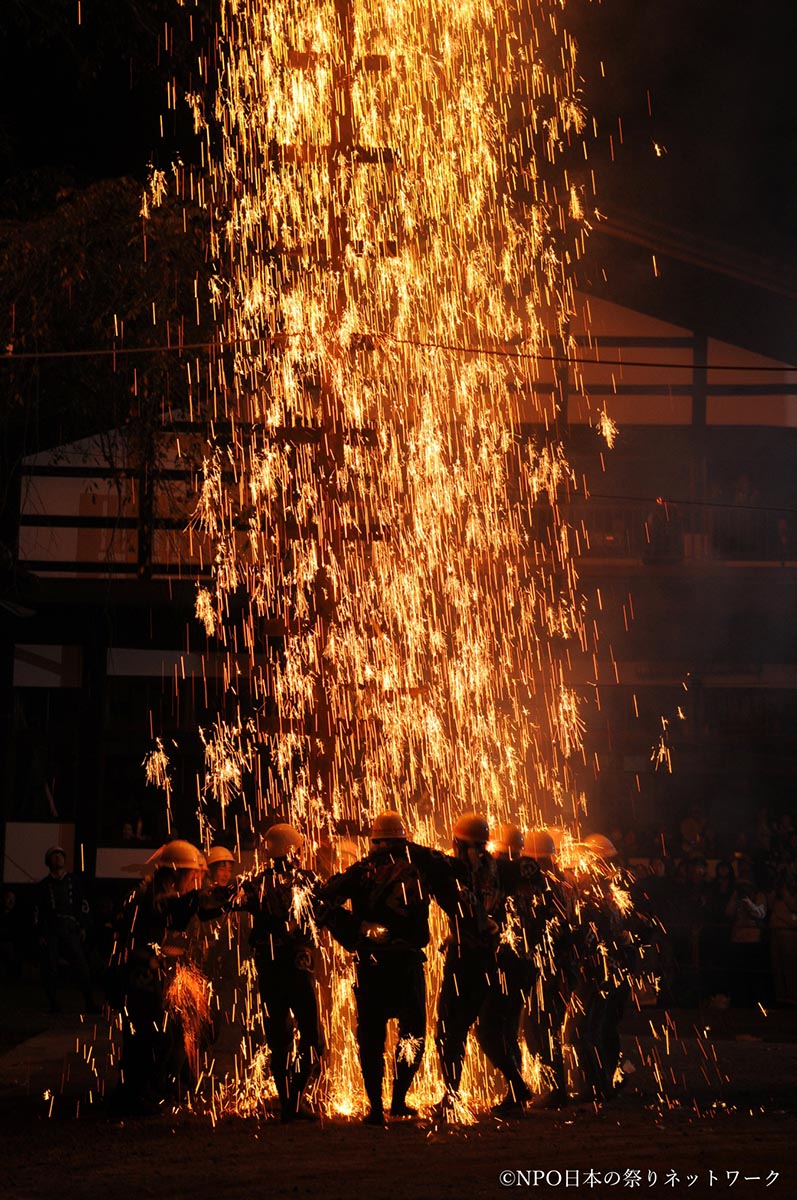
(147, 923)
(390, 891)
(59, 901)
(284, 906)
(525, 904)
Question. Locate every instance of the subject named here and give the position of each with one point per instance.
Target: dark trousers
(543, 1025)
(467, 978)
(601, 1038)
(390, 983)
(63, 942)
(499, 1020)
(153, 1048)
(291, 1025)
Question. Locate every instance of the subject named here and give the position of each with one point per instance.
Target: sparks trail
(403, 165)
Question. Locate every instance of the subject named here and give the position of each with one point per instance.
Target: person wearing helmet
(389, 891)
(606, 943)
(61, 914)
(217, 944)
(470, 970)
(149, 948)
(602, 847)
(541, 846)
(522, 909)
(283, 904)
(221, 863)
(506, 843)
(546, 1005)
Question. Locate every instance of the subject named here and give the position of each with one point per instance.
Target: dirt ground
(95, 1159)
(727, 1128)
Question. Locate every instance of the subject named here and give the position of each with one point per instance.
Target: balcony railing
(665, 533)
(87, 520)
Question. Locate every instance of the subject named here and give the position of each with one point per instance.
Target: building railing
(102, 528)
(668, 533)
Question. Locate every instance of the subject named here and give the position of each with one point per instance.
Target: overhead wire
(448, 347)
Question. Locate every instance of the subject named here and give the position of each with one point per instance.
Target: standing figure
(555, 977)
(160, 993)
(520, 906)
(470, 972)
(61, 915)
(284, 937)
(606, 950)
(218, 945)
(783, 940)
(388, 928)
(747, 911)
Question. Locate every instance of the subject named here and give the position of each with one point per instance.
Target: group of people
(523, 938)
(731, 932)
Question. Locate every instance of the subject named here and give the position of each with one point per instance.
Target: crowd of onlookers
(727, 907)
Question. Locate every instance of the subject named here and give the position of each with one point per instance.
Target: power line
(666, 502)
(447, 347)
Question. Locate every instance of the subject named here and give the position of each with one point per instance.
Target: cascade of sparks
(382, 488)
(393, 593)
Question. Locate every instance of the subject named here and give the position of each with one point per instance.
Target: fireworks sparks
(156, 768)
(228, 756)
(380, 171)
(408, 1049)
(393, 595)
(607, 427)
(187, 1000)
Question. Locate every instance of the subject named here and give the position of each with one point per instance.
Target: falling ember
(246, 1096)
(393, 598)
(607, 427)
(156, 768)
(381, 192)
(187, 1001)
(408, 1049)
(621, 898)
(204, 611)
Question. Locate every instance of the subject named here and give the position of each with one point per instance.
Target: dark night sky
(720, 76)
(87, 100)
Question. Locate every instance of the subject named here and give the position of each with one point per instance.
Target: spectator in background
(788, 854)
(133, 832)
(747, 910)
(745, 494)
(663, 534)
(783, 940)
(717, 942)
(692, 829)
(784, 538)
(687, 929)
(710, 841)
(128, 832)
(781, 846)
(653, 898)
(628, 847)
(61, 917)
(652, 891)
(762, 838)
